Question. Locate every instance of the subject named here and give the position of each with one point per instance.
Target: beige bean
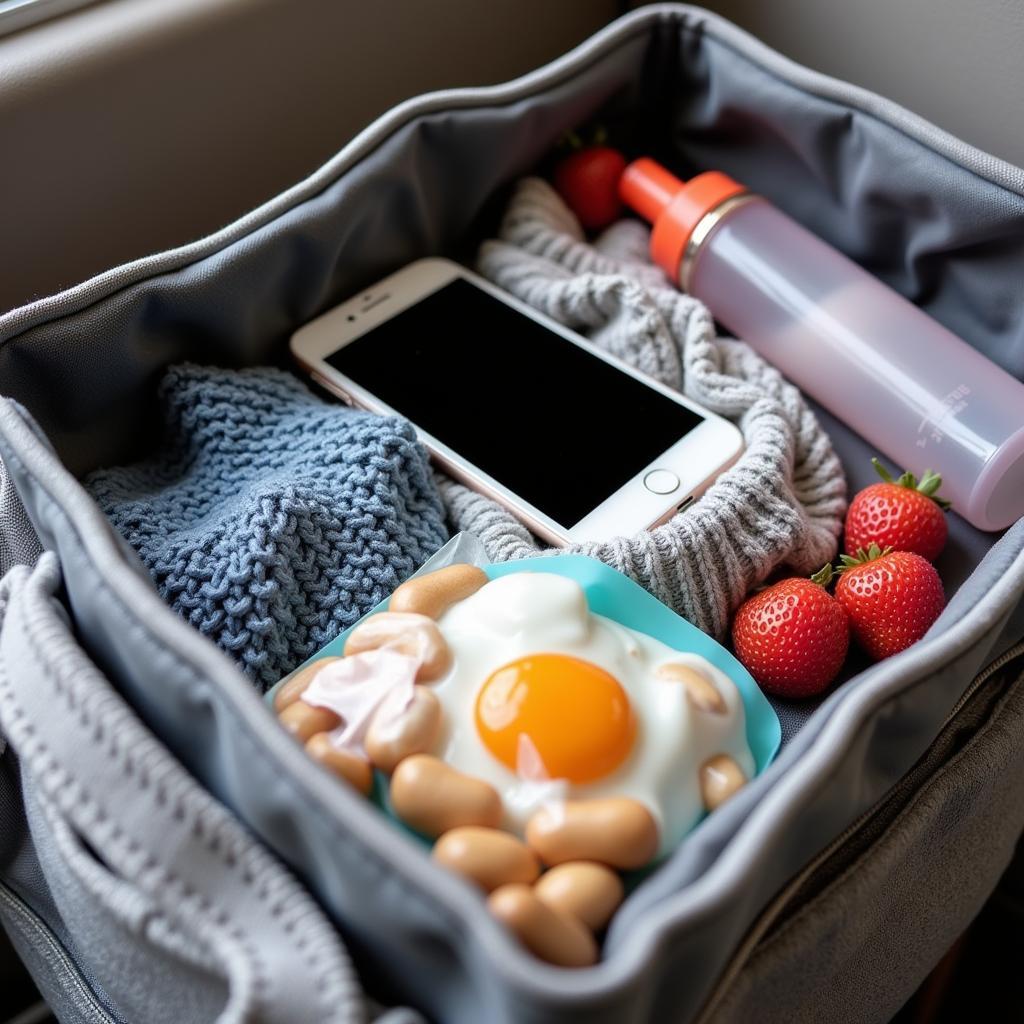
(432, 797)
(390, 738)
(303, 720)
(415, 635)
(296, 686)
(702, 693)
(546, 932)
(617, 831)
(355, 770)
(720, 778)
(588, 891)
(487, 856)
(435, 593)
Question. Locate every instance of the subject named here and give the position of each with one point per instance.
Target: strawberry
(901, 514)
(892, 598)
(793, 636)
(588, 181)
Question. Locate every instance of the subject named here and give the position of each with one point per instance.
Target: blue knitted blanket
(269, 519)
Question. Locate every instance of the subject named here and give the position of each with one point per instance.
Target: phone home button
(661, 481)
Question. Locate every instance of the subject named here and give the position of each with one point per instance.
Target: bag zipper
(30, 923)
(786, 899)
(82, 296)
(1004, 659)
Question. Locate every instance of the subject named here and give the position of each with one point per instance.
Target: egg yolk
(576, 715)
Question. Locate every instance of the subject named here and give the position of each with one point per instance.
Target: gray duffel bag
(168, 853)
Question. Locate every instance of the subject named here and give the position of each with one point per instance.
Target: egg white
(533, 613)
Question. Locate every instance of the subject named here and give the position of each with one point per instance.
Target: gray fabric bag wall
(810, 862)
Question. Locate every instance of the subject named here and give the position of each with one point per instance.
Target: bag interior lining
(936, 232)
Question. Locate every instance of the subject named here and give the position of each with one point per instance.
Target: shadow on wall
(136, 125)
(958, 65)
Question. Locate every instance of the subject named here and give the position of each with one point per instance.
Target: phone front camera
(351, 316)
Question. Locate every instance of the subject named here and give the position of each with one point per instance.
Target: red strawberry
(901, 514)
(792, 637)
(589, 183)
(892, 598)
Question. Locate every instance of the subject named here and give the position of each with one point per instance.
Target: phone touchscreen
(557, 425)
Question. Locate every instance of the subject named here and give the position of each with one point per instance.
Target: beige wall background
(136, 125)
(958, 63)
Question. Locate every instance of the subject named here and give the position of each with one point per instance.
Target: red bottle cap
(674, 207)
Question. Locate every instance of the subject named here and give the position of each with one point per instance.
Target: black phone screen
(553, 423)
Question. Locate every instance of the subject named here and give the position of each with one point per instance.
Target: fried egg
(546, 700)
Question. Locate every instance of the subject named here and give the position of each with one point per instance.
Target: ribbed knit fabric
(269, 519)
(272, 520)
(783, 502)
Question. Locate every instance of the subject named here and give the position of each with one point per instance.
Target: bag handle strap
(124, 793)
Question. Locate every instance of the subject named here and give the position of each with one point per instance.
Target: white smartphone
(571, 440)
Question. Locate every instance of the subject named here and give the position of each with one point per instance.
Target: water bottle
(907, 385)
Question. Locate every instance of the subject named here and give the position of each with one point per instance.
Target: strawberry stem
(929, 484)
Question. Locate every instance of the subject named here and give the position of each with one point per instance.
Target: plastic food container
(616, 597)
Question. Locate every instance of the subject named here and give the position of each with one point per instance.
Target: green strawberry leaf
(571, 142)
(882, 471)
(823, 577)
(862, 557)
(929, 484)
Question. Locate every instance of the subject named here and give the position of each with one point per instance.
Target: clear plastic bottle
(907, 385)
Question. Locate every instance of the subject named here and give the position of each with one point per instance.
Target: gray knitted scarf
(783, 502)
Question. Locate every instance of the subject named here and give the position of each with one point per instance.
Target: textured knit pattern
(783, 502)
(269, 519)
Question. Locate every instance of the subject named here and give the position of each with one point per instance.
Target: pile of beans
(557, 913)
